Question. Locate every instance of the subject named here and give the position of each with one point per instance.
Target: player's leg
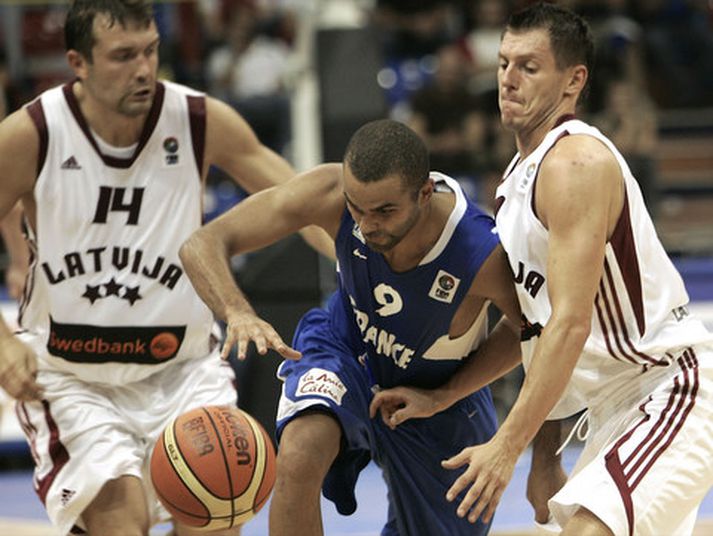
(646, 469)
(323, 428)
(308, 446)
(119, 509)
(585, 523)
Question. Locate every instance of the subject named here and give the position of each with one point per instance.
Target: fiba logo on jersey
(170, 145)
(444, 287)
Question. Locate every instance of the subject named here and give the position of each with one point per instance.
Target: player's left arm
(232, 145)
(579, 197)
(494, 357)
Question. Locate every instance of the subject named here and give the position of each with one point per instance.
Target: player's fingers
(288, 352)
(470, 499)
(227, 345)
(492, 505)
(242, 346)
(458, 460)
(401, 415)
(378, 402)
(479, 504)
(260, 341)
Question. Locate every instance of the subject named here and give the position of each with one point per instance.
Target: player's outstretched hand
(245, 327)
(490, 468)
(18, 370)
(400, 404)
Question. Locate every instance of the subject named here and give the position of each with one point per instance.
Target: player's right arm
(311, 198)
(16, 247)
(19, 147)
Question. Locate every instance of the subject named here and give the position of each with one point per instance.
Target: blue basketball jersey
(398, 322)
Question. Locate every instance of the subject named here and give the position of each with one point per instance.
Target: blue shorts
(330, 378)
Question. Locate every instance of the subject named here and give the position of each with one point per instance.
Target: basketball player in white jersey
(609, 329)
(110, 169)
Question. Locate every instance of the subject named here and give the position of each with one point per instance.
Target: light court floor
(22, 515)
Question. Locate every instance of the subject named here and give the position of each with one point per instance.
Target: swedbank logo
(84, 343)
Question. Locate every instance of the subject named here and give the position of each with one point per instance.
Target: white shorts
(648, 463)
(83, 435)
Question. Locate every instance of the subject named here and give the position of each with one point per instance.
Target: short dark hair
(79, 26)
(386, 147)
(570, 36)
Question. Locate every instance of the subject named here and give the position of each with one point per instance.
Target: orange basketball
(213, 467)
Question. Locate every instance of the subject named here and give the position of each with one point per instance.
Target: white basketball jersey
(108, 298)
(640, 315)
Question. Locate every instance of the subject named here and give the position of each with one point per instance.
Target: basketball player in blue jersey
(418, 264)
(110, 169)
(610, 326)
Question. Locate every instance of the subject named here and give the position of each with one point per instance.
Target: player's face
(122, 73)
(530, 86)
(385, 210)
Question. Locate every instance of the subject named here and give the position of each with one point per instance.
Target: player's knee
(308, 446)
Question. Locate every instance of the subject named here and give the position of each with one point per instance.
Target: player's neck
(529, 138)
(421, 239)
(117, 129)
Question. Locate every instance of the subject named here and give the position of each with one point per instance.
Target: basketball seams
(225, 461)
(231, 428)
(192, 482)
(260, 458)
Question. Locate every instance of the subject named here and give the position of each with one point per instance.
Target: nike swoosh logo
(358, 253)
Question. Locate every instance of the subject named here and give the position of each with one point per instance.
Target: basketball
(213, 467)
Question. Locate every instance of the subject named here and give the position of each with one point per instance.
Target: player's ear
(78, 63)
(426, 191)
(577, 80)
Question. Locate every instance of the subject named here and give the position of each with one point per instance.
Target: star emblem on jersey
(92, 293)
(112, 288)
(131, 294)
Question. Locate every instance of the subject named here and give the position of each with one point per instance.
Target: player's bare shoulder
(320, 192)
(579, 175)
(580, 158)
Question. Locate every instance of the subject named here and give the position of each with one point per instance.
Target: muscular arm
(233, 146)
(494, 357)
(579, 197)
(499, 353)
(19, 146)
(16, 271)
(260, 220)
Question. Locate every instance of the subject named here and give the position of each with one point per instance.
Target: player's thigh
(118, 509)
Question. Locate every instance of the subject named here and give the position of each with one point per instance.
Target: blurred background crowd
(335, 64)
(433, 66)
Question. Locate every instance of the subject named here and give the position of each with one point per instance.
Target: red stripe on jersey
(197, 119)
(620, 316)
(693, 371)
(58, 454)
(622, 241)
(627, 475)
(37, 114)
(614, 332)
